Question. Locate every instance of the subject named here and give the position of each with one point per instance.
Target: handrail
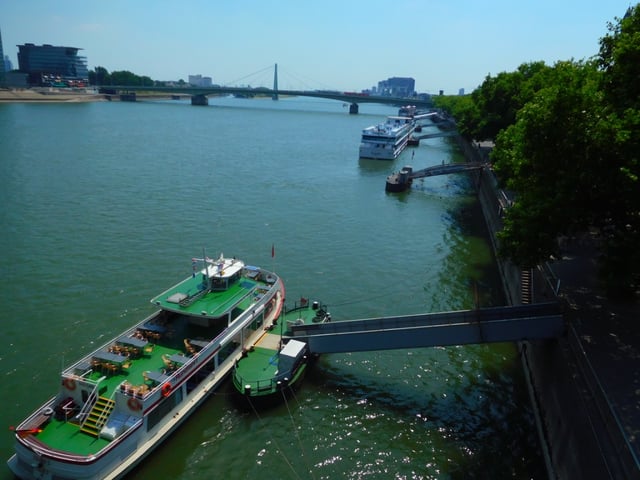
(434, 319)
(626, 453)
(103, 415)
(88, 405)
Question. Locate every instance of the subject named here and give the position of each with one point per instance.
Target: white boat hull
(386, 141)
(36, 460)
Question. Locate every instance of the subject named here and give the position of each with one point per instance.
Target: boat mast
(206, 266)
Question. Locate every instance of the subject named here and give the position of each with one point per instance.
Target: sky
(345, 45)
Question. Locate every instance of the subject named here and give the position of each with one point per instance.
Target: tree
(572, 159)
(568, 146)
(547, 159)
(499, 98)
(99, 76)
(619, 59)
(462, 108)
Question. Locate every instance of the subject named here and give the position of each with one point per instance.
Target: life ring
(166, 389)
(69, 384)
(134, 404)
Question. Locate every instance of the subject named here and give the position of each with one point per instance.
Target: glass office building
(3, 80)
(48, 65)
(397, 87)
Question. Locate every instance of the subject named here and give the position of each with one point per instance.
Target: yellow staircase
(98, 416)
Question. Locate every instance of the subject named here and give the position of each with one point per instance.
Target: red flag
(273, 251)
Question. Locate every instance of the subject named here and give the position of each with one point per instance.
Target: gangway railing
(446, 169)
(486, 325)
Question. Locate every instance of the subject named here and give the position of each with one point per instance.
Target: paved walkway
(609, 332)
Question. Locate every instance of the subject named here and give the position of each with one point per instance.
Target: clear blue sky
(328, 44)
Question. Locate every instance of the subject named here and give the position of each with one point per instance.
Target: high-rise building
(53, 66)
(200, 81)
(3, 79)
(397, 87)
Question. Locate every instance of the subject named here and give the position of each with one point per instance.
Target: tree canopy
(567, 141)
(101, 76)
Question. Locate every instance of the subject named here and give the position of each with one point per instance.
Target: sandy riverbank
(11, 96)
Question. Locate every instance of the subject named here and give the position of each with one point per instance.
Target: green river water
(104, 204)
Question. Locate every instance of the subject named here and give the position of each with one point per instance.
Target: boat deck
(214, 303)
(261, 363)
(259, 366)
(154, 368)
(164, 352)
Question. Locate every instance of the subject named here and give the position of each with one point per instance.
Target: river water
(104, 204)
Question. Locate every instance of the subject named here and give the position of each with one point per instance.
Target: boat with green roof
(117, 403)
(276, 363)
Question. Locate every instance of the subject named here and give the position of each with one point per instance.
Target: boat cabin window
(220, 284)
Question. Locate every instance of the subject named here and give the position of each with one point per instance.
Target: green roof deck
(259, 367)
(66, 435)
(213, 303)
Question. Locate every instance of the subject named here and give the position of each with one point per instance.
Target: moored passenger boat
(275, 365)
(387, 140)
(116, 404)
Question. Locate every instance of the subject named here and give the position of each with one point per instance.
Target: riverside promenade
(585, 386)
(604, 339)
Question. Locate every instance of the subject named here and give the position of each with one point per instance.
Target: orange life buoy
(69, 383)
(134, 404)
(166, 389)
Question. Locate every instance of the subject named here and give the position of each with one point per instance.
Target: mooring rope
(295, 429)
(264, 426)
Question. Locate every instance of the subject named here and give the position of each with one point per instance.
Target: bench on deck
(155, 377)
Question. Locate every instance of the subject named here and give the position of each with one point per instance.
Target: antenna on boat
(206, 264)
(273, 255)
(282, 320)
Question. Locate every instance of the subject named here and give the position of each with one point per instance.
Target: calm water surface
(104, 204)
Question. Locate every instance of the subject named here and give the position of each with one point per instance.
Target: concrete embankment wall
(578, 441)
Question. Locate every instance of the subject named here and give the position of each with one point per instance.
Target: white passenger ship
(115, 405)
(387, 140)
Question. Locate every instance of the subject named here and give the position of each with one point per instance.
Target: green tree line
(566, 145)
(101, 76)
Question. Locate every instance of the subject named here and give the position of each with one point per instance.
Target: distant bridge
(484, 325)
(199, 94)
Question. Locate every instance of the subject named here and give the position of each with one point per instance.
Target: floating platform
(399, 181)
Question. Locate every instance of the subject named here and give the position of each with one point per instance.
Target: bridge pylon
(275, 83)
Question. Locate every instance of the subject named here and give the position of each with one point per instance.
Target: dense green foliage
(101, 76)
(567, 141)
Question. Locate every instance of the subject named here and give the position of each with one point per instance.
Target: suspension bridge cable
(301, 78)
(251, 74)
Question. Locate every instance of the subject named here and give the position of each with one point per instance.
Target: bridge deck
(488, 325)
(222, 90)
(446, 169)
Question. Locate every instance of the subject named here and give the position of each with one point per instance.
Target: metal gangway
(446, 169)
(463, 327)
(424, 136)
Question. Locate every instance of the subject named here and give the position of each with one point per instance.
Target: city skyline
(346, 46)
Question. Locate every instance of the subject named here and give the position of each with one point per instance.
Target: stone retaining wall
(577, 442)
